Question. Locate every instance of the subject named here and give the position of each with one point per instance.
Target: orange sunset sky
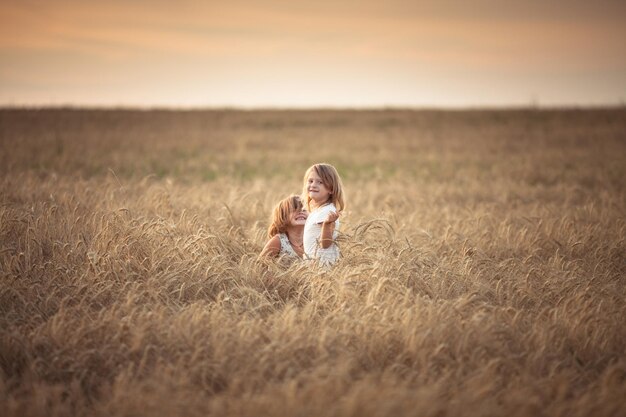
(280, 53)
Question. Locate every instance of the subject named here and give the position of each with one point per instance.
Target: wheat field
(483, 269)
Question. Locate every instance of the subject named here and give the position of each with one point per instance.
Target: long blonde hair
(331, 179)
(281, 214)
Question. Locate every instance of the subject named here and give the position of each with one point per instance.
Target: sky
(324, 53)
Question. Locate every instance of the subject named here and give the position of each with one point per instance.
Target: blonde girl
(286, 230)
(323, 197)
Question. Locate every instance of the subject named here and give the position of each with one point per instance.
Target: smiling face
(316, 190)
(289, 212)
(322, 185)
(298, 217)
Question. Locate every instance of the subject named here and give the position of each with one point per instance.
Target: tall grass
(482, 273)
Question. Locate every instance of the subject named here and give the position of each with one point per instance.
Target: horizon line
(241, 108)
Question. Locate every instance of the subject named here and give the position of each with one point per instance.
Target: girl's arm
(328, 227)
(272, 248)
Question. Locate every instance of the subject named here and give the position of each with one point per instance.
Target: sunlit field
(483, 268)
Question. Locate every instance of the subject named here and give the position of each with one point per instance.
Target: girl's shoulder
(326, 208)
(319, 214)
(272, 247)
(283, 239)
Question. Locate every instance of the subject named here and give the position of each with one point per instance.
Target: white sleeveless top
(312, 232)
(285, 247)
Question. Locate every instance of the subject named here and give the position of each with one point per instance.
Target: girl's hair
(282, 211)
(331, 179)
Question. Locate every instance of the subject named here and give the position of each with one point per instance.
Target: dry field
(484, 268)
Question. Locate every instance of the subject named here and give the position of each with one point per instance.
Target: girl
(323, 198)
(285, 230)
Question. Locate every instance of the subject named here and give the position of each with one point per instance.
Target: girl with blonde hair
(286, 229)
(323, 197)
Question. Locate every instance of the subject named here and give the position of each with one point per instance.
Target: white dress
(312, 232)
(286, 250)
